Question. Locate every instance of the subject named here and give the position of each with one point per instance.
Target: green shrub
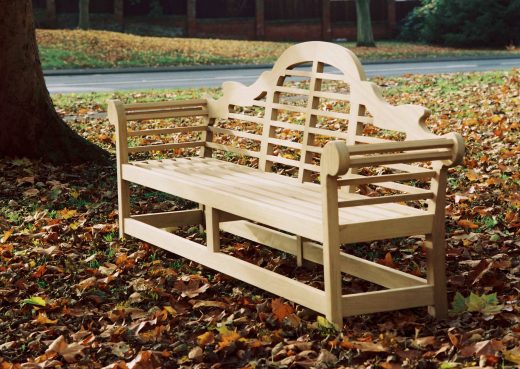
(464, 23)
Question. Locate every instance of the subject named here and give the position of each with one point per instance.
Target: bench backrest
(299, 118)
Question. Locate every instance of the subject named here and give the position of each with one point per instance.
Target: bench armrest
(338, 157)
(120, 114)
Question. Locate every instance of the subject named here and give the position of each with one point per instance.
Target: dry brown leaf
(69, 352)
(143, 360)
(206, 338)
(43, 319)
(467, 224)
(227, 338)
(6, 235)
(208, 303)
(364, 346)
(281, 309)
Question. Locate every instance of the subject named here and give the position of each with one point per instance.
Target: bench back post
(116, 115)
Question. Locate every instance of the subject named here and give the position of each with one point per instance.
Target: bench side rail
(121, 114)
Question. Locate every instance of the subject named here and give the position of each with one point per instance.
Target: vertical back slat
(310, 121)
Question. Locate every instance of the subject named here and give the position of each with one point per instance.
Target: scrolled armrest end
(458, 149)
(335, 158)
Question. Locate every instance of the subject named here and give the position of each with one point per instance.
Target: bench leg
(123, 203)
(212, 229)
(331, 252)
(436, 246)
(436, 273)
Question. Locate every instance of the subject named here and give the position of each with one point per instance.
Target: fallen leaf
(31, 192)
(227, 337)
(281, 309)
(465, 223)
(364, 346)
(143, 360)
(207, 303)
(195, 354)
(6, 235)
(206, 338)
(43, 319)
(512, 355)
(35, 300)
(69, 352)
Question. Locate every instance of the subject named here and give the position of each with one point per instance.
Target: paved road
(214, 78)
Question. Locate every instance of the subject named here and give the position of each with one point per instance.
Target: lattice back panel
(313, 94)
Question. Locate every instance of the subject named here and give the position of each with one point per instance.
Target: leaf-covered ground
(74, 295)
(61, 49)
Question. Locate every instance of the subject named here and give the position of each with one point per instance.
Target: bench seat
(275, 200)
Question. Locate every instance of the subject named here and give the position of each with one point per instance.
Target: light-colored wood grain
(357, 179)
(292, 214)
(171, 218)
(387, 300)
(165, 104)
(331, 244)
(162, 114)
(234, 267)
(313, 252)
(164, 147)
(116, 115)
(436, 246)
(389, 228)
(166, 131)
(386, 199)
(212, 229)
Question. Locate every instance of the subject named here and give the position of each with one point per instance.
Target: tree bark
(29, 125)
(191, 17)
(326, 26)
(50, 14)
(365, 36)
(260, 18)
(119, 14)
(84, 14)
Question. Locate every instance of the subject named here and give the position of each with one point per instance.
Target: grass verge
(63, 49)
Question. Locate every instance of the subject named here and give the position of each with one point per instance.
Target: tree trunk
(84, 14)
(29, 125)
(50, 14)
(364, 24)
(119, 14)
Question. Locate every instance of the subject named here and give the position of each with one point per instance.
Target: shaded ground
(73, 295)
(63, 49)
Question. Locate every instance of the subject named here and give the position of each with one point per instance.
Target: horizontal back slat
(166, 113)
(355, 180)
(164, 147)
(385, 199)
(236, 150)
(166, 104)
(400, 146)
(232, 132)
(400, 158)
(165, 131)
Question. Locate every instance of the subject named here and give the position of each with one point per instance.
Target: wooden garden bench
(315, 103)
